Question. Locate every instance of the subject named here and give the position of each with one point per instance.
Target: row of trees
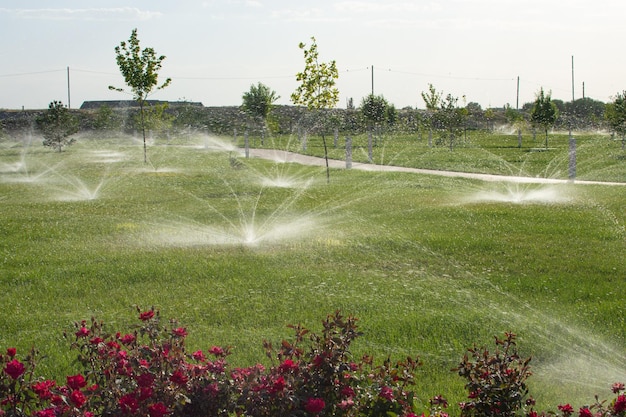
(317, 93)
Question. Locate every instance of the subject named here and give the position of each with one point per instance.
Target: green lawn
(426, 267)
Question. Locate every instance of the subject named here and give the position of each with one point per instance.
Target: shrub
(148, 372)
(496, 381)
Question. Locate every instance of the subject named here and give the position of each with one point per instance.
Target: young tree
(57, 125)
(615, 114)
(451, 117)
(258, 102)
(317, 90)
(432, 100)
(140, 69)
(374, 110)
(544, 112)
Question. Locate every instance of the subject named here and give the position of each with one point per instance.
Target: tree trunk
(143, 132)
(326, 158)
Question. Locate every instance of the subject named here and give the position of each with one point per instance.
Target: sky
(475, 50)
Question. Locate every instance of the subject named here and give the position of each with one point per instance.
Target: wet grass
(599, 157)
(427, 271)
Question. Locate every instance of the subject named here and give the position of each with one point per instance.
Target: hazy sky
(217, 48)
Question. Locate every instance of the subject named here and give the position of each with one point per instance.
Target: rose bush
(148, 372)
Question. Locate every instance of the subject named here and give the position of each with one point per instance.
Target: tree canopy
(57, 125)
(615, 114)
(258, 101)
(374, 109)
(140, 69)
(317, 81)
(544, 112)
(317, 89)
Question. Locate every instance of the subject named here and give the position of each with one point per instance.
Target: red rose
(158, 410)
(43, 389)
(144, 380)
(96, 340)
(216, 350)
(127, 339)
(11, 352)
(76, 381)
(14, 368)
(128, 403)
(179, 378)
(314, 405)
(48, 412)
(585, 412)
(620, 403)
(278, 385)
(146, 315)
(288, 365)
(180, 332)
(78, 398)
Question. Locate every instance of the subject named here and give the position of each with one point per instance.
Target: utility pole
(68, 87)
(572, 140)
(372, 80)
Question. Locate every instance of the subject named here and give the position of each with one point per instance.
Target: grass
(426, 270)
(598, 156)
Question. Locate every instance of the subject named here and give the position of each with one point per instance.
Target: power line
(31, 73)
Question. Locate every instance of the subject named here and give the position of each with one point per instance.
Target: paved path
(284, 156)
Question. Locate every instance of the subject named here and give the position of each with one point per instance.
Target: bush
(148, 372)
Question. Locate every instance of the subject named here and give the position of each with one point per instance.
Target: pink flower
(314, 405)
(199, 356)
(76, 381)
(386, 393)
(14, 368)
(11, 352)
(179, 331)
(617, 387)
(158, 410)
(146, 315)
(78, 398)
(82, 332)
(345, 404)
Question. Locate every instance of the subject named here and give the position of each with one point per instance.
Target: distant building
(124, 104)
